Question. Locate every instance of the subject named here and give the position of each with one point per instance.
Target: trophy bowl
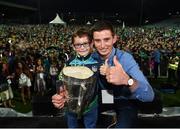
(80, 85)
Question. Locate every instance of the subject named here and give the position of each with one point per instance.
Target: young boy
(82, 44)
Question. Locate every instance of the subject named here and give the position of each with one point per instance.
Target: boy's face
(82, 45)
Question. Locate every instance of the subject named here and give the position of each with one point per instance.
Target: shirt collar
(110, 58)
(83, 57)
(97, 56)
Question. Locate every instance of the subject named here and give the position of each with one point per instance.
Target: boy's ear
(73, 47)
(91, 44)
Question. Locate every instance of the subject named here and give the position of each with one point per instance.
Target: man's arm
(120, 74)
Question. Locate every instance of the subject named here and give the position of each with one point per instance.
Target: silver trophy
(80, 85)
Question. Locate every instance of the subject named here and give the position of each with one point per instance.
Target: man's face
(103, 41)
(82, 45)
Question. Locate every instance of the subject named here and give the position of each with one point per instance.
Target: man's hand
(116, 74)
(104, 68)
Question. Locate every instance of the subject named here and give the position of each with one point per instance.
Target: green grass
(19, 106)
(171, 100)
(168, 99)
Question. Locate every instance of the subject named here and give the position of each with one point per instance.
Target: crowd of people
(33, 55)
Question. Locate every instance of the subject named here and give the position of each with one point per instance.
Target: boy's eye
(79, 45)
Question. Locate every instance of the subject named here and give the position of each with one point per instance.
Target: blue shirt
(144, 92)
(157, 56)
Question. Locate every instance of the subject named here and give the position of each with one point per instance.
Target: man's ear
(114, 38)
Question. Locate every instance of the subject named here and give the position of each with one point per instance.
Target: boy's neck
(83, 57)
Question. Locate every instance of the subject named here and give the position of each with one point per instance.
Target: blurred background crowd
(33, 51)
(31, 56)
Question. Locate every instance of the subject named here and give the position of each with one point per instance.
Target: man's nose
(102, 44)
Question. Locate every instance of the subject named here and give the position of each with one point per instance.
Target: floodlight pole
(141, 12)
(39, 11)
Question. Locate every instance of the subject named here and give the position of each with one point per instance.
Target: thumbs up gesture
(116, 74)
(104, 68)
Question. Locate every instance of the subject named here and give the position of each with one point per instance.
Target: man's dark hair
(81, 33)
(102, 25)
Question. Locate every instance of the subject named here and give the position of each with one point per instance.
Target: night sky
(124, 6)
(129, 10)
(126, 9)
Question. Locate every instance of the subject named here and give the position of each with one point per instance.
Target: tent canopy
(88, 23)
(57, 20)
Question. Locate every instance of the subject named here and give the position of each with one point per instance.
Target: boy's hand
(59, 100)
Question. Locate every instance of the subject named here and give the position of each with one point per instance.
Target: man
(157, 59)
(120, 77)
